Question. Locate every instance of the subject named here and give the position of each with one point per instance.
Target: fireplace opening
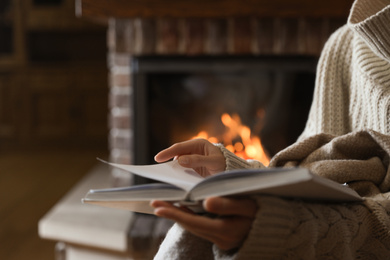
(178, 98)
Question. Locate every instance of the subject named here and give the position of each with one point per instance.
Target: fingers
(198, 154)
(158, 204)
(226, 233)
(229, 206)
(213, 163)
(181, 215)
(192, 221)
(195, 146)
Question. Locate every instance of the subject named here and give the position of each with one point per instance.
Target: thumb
(212, 163)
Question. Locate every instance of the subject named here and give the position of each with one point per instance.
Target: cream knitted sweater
(352, 95)
(353, 77)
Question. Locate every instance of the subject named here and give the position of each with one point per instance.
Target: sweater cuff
(234, 162)
(270, 230)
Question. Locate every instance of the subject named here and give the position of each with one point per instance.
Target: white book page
(170, 172)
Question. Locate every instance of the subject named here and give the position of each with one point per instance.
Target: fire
(238, 139)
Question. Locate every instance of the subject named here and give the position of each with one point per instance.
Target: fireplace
(176, 98)
(280, 54)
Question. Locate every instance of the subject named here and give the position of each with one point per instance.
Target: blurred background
(53, 114)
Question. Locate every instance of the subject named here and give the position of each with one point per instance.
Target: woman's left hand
(227, 231)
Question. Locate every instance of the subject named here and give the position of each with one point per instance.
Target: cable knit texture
(346, 139)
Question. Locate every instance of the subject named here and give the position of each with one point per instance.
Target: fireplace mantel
(211, 8)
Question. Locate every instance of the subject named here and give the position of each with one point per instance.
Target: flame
(246, 146)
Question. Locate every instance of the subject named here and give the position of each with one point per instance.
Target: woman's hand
(199, 154)
(227, 231)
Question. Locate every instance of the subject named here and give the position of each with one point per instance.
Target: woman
(346, 139)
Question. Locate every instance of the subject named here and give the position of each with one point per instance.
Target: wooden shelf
(48, 42)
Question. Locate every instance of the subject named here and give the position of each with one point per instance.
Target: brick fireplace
(212, 29)
(129, 38)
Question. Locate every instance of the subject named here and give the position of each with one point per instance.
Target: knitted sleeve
(286, 229)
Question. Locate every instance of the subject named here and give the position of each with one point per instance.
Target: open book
(184, 186)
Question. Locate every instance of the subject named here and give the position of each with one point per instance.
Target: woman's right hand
(199, 154)
(227, 231)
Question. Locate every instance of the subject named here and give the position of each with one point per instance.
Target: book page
(170, 172)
